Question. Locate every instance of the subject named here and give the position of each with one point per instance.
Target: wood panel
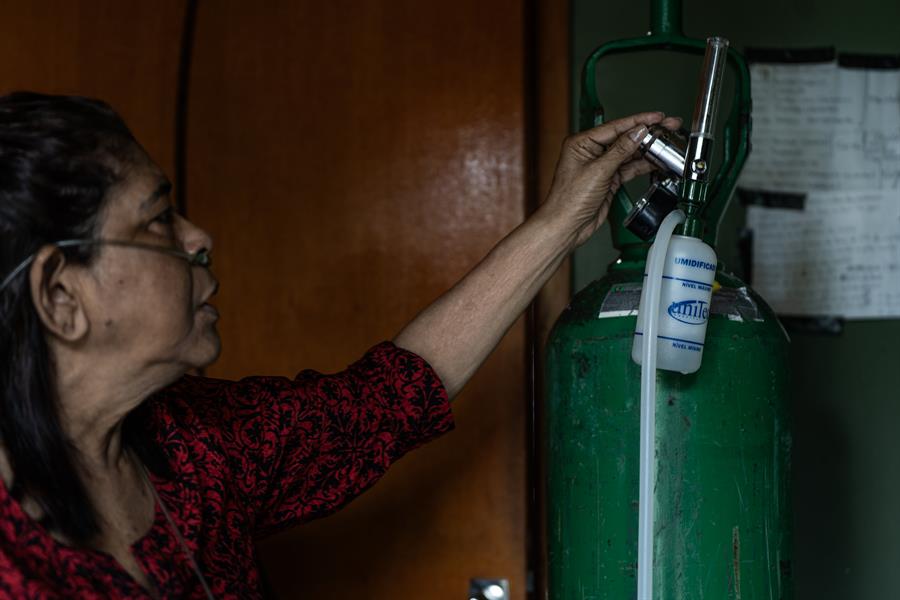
(122, 51)
(353, 160)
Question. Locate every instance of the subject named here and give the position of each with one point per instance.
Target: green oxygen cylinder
(723, 441)
(722, 523)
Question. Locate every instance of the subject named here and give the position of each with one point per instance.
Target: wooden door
(352, 161)
(123, 52)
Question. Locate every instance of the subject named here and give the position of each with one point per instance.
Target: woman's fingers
(593, 143)
(615, 183)
(671, 123)
(622, 150)
(609, 132)
(635, 165)
(634, 168)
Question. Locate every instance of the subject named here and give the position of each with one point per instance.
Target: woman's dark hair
(59, 157)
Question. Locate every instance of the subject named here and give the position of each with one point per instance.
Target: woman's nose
(193, 238)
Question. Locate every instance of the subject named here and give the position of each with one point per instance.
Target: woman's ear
(56, 295)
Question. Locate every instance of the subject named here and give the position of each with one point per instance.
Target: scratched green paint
(722, 522)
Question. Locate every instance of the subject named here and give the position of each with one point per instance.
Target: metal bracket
(488, 589)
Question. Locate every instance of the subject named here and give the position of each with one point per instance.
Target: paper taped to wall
(832, 134)
(839, 256)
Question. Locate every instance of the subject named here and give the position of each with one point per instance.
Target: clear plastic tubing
(655, 261)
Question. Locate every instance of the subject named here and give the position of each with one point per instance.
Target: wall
(845, 396)
(124, 53)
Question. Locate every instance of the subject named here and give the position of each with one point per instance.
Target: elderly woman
(120, 476)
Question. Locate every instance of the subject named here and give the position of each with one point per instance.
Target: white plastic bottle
(684, 302)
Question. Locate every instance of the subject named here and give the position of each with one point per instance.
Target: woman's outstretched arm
(459, 330)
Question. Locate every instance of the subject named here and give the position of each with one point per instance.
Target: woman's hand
(592, 166)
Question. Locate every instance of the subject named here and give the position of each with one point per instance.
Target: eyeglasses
(201, 258)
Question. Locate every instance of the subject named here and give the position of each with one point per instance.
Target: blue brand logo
(692, 312)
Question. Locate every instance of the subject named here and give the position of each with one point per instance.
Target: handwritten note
(838, 256)
(834, 134)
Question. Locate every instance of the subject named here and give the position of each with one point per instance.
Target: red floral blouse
(249, 458)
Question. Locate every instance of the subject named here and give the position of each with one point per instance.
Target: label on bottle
(684, 305)
(735, 304)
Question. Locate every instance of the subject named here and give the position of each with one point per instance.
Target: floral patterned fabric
(249, 458)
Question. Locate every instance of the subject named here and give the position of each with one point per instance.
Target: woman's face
(146, 309)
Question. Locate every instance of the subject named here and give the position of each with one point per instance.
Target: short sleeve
(300, 449)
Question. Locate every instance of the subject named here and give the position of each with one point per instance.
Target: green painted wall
(846, 389)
